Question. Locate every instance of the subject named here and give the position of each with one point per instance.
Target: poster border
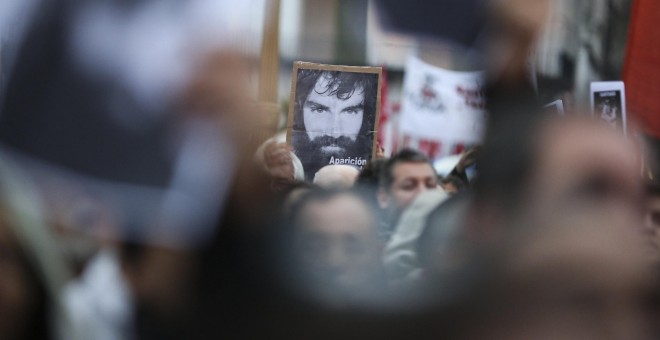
(297, 65)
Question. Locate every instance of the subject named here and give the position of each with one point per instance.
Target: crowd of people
(553, 238)
(556, 237)
(167, 216)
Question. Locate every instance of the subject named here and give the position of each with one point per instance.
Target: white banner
(442, 111)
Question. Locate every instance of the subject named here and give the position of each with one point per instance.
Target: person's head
(332, 108)
(547, 163)
(403, 177)
(334, 238)
(336, 176)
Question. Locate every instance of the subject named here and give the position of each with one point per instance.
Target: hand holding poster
(608, 102)
(333, 114)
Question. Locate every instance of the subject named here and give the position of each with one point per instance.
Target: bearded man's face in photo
(333, 123)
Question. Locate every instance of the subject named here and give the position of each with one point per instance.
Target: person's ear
(383, 198)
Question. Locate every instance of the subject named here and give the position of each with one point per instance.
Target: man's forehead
(405, 170)
(339, 215)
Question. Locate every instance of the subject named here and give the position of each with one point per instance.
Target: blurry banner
(58, 111)
(442, 111)
(333, 115)
(92, 111)
(641, 71)
(608, 102)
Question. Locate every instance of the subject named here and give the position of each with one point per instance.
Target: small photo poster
(608, 102)
(333, 115)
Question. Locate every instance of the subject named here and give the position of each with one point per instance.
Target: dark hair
(403, 156)
(342, 84)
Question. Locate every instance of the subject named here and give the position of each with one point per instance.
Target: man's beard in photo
(330, 146)
(339, 148)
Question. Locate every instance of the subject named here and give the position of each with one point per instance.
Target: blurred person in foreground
(538, 164)
(551, 245)
(402, 178)
(335, 246)
(580, 275)
(33, 270)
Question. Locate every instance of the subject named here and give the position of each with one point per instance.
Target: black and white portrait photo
(608, 102)
(608, 107)
(333, 115)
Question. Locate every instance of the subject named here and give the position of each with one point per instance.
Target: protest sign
(333, 114)
(442, 111)
(608, 102)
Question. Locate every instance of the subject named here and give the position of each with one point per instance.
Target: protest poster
(333, 115)
(442, 111)
(608, 102)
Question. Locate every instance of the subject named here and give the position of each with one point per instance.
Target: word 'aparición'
(357, 161)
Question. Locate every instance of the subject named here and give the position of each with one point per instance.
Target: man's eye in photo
(318, 108)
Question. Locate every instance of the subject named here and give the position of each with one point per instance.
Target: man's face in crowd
(582, 164)
(332, 123)
(337, 242)
(410, 179)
